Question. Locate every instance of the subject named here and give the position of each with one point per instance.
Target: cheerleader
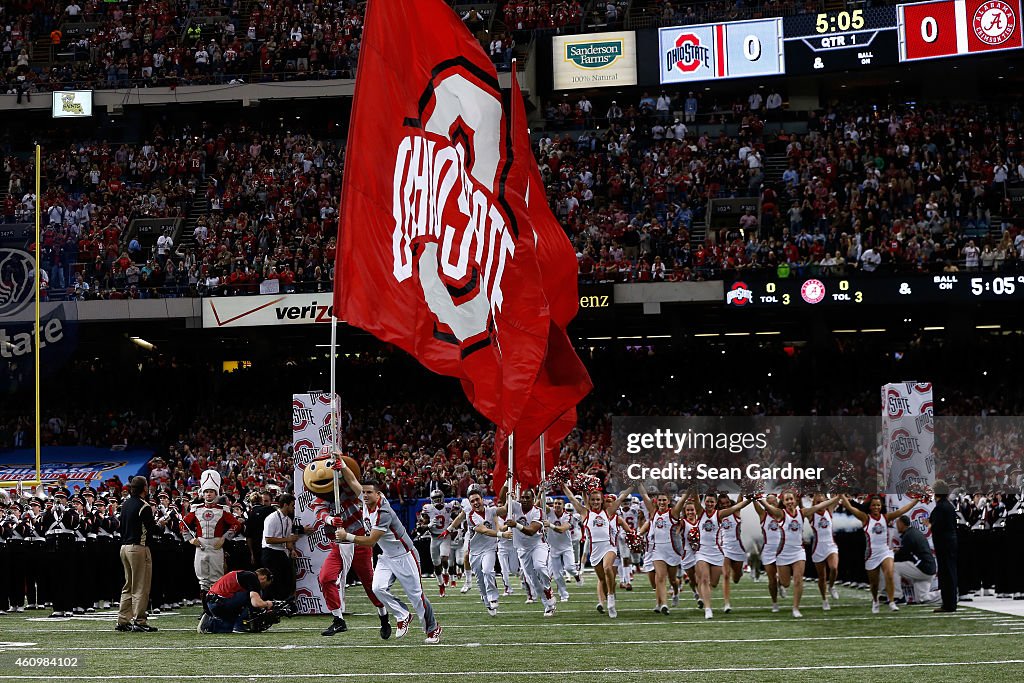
(600, 524)
(662, 543)
(878, 555)
(791, 556)
(733, 552)
(772, 534)
(824, 551)
(709, 549)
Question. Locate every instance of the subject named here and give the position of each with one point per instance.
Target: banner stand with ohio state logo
(908, 450)
(311, 430)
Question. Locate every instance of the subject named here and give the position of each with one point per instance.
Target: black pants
(946, 558)
(60, 584)
(16, 559)
(5, 563)
(278, 562)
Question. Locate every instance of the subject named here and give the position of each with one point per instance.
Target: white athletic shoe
(549, 611)
(508, 591)
(796, 613)
(825, 607)
(874, 607)
(727, 608)
(464, 589)
(402, 627)
(600, 608)
(530, 601)
(492, 610)
(893, 607)
(782, 591)
(707, 613)
(835, 593)
(434, 637)
(775, 607)
(611, 611)
(664, 609)
(675, 600)
(564, 598)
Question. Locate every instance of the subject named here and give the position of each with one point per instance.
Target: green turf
(520, 645)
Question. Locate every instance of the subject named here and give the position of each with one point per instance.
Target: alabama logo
(994, 22)
(812, 291)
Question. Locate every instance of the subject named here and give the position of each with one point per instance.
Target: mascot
(319, 478)
(207, 526)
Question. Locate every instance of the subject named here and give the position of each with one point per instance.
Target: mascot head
(318, 475)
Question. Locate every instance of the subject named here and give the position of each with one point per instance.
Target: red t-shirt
(235, 582)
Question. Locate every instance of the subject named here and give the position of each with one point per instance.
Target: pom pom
(585, 483)
(636, 542)
(752, 488)
(844, 480)
(559, 476)
(922, 493)
(693, 538)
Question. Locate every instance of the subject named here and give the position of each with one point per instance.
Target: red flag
(563, 380)
(433, 255)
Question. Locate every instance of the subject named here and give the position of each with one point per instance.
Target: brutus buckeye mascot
(333, 479)
(207, 526)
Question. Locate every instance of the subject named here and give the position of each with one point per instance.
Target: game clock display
(874, 289)
(841, 40)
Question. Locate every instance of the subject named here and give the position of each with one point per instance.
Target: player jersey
(822, 527)
(440, 518)
(504, 543)
(519, 539)
(560, 540)
(631, 517)
(396, 541)
(481, 543)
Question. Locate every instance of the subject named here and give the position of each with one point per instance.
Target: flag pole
(543, 470)
(36, 335)
(335, 421)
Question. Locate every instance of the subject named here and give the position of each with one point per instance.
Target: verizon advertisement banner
(908, 442)
(311, 430)
(272, 309)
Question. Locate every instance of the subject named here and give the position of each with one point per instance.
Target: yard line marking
(574, 672)
(368, 646)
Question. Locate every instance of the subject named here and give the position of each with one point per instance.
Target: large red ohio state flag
(435, 254)
(563, 381)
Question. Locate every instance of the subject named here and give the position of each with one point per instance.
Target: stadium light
(988, 327)
(936, 328)
(874, 330)
(139, 341)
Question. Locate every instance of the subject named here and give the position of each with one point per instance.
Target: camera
(297, 529)
(259, 621)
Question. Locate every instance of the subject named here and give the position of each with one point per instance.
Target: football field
(750, 644)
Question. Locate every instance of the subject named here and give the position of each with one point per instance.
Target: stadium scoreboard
(838, 40)
(873, 289)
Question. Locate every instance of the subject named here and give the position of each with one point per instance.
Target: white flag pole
(335, 421)
(543, 470)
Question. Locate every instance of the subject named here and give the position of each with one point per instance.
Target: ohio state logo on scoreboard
(688, 55)
(994, 22)
(739, 294)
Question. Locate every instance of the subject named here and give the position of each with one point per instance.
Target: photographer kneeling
(230, 602)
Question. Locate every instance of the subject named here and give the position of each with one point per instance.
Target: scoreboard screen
(841, 40)
(728, 50)
(947, 28)
(872, 289)
(838, 40)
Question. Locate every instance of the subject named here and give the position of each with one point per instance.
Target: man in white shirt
(774, 102)
(870, 260)
(755, 101)
(279, 546)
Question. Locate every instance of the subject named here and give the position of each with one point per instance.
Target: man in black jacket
(943, 520)
(914, 562)
(138, 527)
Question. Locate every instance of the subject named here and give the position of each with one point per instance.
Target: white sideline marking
(570, 672)
(368, 646)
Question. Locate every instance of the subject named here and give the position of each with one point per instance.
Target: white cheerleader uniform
(877, 548)
(732, 543)
(710, 548)
(791, 545)
(824, 542)
(772, 532)
(689, 555)
(601, 532)
(661, 541)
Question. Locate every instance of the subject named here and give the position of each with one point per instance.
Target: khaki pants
(138, 575)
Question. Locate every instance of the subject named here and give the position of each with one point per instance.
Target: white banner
(311, 430)
(908, 443)
(594, 60)
(280, 309)
(71, 104)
